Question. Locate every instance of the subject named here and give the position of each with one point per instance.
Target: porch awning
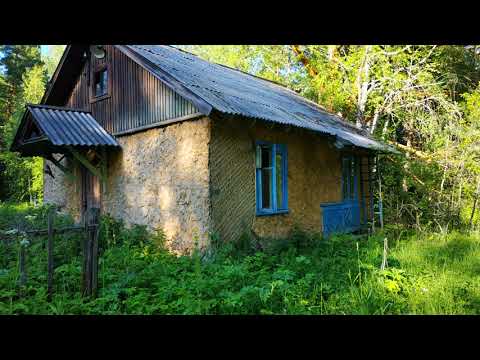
(46, 130)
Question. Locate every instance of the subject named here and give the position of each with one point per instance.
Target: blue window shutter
(285, 176)
(355, 177)
(274, 206)
(274, 178)
(282, 149)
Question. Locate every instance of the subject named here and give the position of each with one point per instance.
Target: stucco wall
(314, 177)
(196, 177)
(160, 179)
(60, 190)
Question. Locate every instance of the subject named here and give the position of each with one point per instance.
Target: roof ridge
(342, 120)
(179, 49)
(226, 66)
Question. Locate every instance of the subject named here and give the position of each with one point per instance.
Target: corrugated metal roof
(65, 126)
(234, 92)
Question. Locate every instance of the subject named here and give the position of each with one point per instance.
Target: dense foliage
(428, 273)
(424, 99)
(24, 73)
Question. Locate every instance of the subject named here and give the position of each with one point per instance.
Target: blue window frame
(350, 166)
(271, 178)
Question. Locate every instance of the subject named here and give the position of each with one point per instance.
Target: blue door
(344, 216)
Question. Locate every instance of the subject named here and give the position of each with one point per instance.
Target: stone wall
(60, 190)
(314, 177)
(160, 179)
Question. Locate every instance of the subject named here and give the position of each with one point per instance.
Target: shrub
(429, 273)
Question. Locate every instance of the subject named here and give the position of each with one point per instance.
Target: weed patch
(428, 273)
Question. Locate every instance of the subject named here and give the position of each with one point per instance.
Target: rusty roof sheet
(64, 126)
(234, 92)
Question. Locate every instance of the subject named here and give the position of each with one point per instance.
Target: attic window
(101, 82)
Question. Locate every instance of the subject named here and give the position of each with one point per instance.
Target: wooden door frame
(86, 176)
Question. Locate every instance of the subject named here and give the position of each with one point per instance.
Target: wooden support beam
(95, 171)
(56, 231)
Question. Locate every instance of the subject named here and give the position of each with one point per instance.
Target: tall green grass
(428, 273)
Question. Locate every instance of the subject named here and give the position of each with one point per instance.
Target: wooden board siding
(136, 98)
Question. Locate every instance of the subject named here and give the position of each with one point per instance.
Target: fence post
(385, 254)
(50, 255)
(94, 236)
(23, 272)
(86, 255)
(90, 251)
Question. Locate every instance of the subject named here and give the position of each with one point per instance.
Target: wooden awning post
(95, 233)
(90, 251)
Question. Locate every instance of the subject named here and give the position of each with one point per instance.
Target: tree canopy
(23, 77)
(422, 98)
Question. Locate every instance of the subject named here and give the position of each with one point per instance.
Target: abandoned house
(157, 136)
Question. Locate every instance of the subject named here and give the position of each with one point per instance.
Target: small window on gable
(100, 84)
(350, 169)
(271, 178)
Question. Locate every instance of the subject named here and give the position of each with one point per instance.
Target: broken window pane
(266, 156)
(279, 176)
(266, 188)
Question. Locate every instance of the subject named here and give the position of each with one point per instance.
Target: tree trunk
(445, 167)
(373, 126)
(475, 199)
(331, 52)
(303, 59)
(407, 165)
(362, 86)
(385, 128)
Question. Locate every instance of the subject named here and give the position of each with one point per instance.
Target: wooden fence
(91, 229)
